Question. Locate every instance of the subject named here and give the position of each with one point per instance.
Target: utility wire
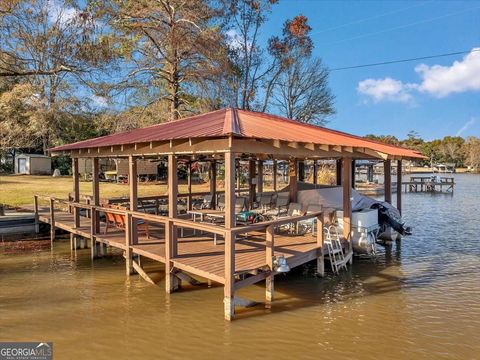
(405, 60)
(400, 27)
(359, 21)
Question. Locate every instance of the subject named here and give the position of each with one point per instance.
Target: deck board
(198, 254)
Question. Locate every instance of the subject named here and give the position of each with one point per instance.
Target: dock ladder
(335, 250)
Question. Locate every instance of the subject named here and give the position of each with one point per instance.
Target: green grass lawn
(16, 190)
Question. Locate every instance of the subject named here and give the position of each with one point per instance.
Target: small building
(33, 164)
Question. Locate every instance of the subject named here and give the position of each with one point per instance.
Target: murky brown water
(418, 302)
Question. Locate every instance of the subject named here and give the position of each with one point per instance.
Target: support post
(128, 244)
(76, 192)
(189, 186)
(387, 173)
(320, 242)
(315, 172)
(35, 210)
(96, 190)
(171, 281)
(229, 190)
(399, 186)
(339, 172)
(347, 204)
(93, 231)
(251, 185)
(274, 175)
(293, 176)
(229, 289)
(133, 194)
(52, 221)
(260, 176)
(353, 174)
(270, 253)
(213, 182)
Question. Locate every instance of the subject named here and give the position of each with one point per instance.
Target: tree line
(451, 149)
(74, 69)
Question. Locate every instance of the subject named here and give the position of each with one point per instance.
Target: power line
(405, 60)
(369, 18)
(400, 27)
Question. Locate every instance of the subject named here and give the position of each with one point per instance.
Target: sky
(434, 97)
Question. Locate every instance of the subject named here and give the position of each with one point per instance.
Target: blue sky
(435, 99)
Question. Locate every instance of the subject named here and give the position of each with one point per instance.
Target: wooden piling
(270, 253)
(387, 173)
(320, 242)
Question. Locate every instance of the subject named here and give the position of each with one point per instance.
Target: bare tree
(249, 62)
(302, 93)
(472, 152)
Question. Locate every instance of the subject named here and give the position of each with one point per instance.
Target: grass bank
(17, 190)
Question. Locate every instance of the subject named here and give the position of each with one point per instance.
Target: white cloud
(386, 89)
(437, 80)
(235, 41)
(465, 127)
(461, 76)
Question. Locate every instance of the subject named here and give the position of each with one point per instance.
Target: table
(202, 213)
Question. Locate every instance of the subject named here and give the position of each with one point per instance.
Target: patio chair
(206, 202)
(221, 202)
(240, 204)
(309, 224)
(280, 206)
(294, 209)
(264, 202)
(119, 221)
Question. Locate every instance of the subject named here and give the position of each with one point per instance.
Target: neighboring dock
(431, 184)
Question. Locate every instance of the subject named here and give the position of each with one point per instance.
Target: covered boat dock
(231, 252)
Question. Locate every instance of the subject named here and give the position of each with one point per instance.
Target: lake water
(418, 301)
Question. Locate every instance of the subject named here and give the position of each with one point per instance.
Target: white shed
(33, 164)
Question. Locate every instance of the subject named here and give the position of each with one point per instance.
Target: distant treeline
(451, 149)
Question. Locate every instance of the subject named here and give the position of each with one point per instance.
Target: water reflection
(417, 300)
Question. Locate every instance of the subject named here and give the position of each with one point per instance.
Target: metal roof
(240, 123)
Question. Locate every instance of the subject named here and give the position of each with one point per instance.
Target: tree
(472, 153)
(56, 49)
(302, 92)
(387, 139)
(249, 64)
(451, 148)
(168, 46)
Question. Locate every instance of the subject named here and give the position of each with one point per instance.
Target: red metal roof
(240, 123)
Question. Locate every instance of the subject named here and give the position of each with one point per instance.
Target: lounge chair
(309, 224)
(280, 206)
(221, 202)
(264, 202)
(119, 221)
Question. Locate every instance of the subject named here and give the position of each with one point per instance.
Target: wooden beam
(189, 185)
(142, 273)
(229, 190)
(270, 253)
(213, 182)
(320, 242)
(52, 221)
(229, 287)
(171, 281)
(293, 176)
(274, 175)
(251, 184)
(353, 174)
(76, 192)
(315, 172)
(399, 185)
(387, 173)
(347, 203)
(260, 176)
(96, 190)
(133, 194)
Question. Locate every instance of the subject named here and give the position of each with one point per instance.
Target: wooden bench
(119, 221)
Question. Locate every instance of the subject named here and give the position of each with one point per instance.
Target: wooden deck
(197, 254)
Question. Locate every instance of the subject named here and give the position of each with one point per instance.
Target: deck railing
(172, 225)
